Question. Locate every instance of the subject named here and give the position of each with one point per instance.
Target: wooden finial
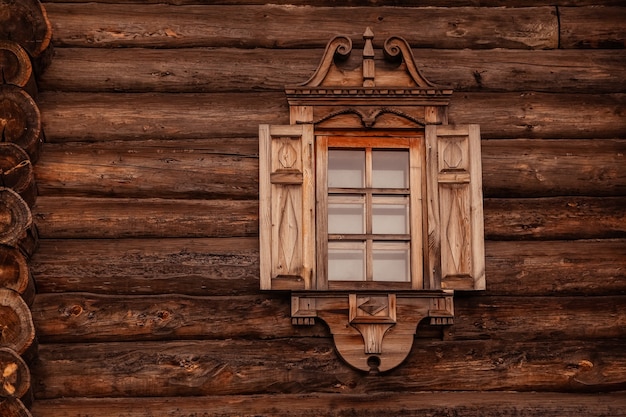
(368, 59)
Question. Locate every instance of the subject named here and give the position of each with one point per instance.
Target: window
(370, 204)
(369, 212)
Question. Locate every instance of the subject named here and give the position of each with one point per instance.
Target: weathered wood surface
(16, 172)
(223, 267)
(110, 116)
(13, 407)
(228, 168)
(15, 273)
(26, 22)
(87, 318)
(592, 27)
(191, 368)
(16, 323)
(15, 67)
(16, 226)
(20, 120)
(551, 218)
(230, 69)
(14, 375)
(161, 25)
(433, 404)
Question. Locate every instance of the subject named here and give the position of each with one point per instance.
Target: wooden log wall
(147, 270)
(25, 52)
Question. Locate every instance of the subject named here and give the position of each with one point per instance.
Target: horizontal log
(592, 27)
(213, 267)
(167, 26)
(228, 69)
(88, 318)
(193, 368)
(228, 168)
(406, 3)
(485, 404)
(225, 168)
(110, 116)
(552, 218)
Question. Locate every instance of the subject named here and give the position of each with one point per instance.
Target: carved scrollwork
(397, 49)
(369, 119)
(338, 48)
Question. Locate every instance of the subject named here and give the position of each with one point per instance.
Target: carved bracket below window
(373, 332)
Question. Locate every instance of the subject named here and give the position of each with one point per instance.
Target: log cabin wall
(147, 271)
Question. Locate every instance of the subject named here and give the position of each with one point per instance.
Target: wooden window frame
(414, 145)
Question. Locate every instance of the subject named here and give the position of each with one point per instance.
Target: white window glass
(346, 262)
(390, 215)
(390, 262)
(390, 169)
(346, 169)
(346, 217)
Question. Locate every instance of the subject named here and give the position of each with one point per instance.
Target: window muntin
(370, 195)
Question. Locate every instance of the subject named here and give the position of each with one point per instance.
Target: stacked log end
(25, 52)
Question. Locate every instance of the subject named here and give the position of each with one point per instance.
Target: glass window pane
(390, 169)
(391, 262)
(346, 169)
(346, 262)
(346, 218)
(390, 215)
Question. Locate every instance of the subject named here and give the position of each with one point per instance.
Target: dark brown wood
(16, 323)
(108, 116)
(592, 27)
(405, 3)
(192, 368)
(555, 218)
(26, 22)
(15, 273)
(194, 169)
(163, 25)
(214, 267)
(228, 168)
(16, 172)
(16, 228)
(88, 318)
(13, 407)
(551, 218)
(16, 68)
(251, 70)
(14, 375)
(485, 404)
(20, 120)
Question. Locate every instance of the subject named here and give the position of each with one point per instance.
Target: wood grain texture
(228, 168)
(195, 368)
(238, 70)
(167, 26)
(223, 267)
(593, 27)
(434, 404)
(90, 318)
(551, 218)
(109, 116)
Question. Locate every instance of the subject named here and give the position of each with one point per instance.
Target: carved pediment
(390, 73)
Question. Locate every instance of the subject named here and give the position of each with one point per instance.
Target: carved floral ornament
(374, 257)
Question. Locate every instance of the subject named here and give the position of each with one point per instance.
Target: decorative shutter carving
(456, 257)
(286, 221)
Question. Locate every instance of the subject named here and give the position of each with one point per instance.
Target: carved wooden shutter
(456, 257)
(287, 202)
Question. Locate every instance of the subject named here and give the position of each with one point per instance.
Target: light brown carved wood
(455, 208)
(286, 215)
